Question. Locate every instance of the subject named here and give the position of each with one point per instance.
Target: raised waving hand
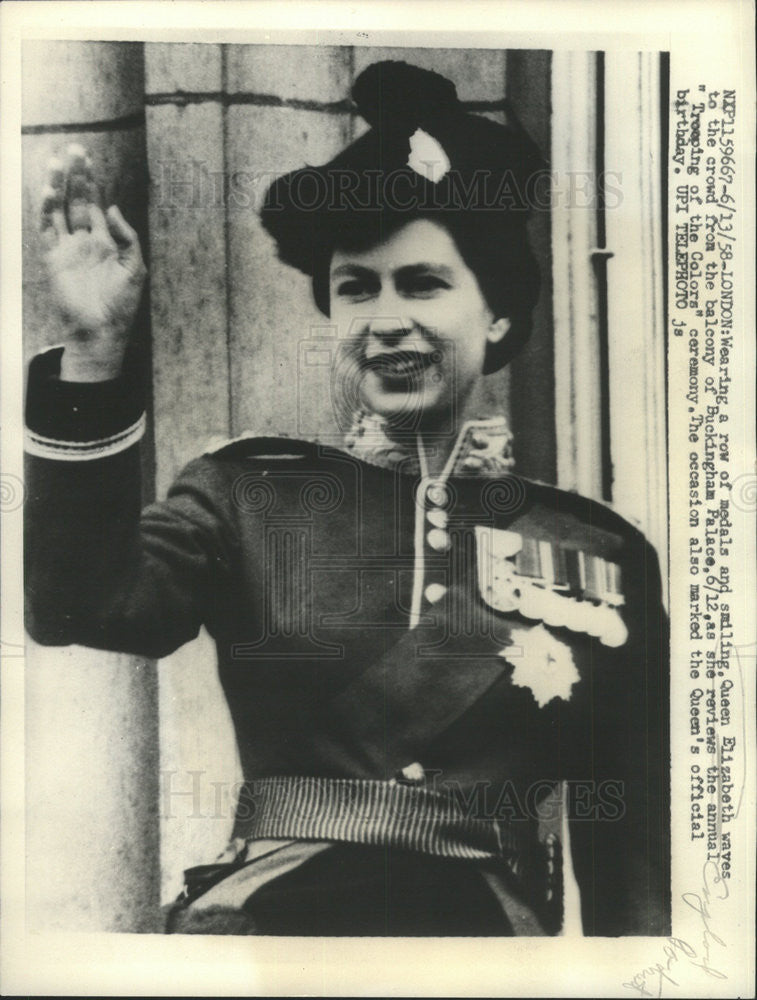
(95, 266)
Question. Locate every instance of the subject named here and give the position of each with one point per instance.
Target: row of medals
(545, 599)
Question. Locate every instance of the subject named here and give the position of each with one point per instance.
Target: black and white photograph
(384, 523)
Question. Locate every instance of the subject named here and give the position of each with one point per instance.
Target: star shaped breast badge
(541, 663)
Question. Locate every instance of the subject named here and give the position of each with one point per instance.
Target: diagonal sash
(387, 715)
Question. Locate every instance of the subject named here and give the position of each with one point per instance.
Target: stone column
(91, 717)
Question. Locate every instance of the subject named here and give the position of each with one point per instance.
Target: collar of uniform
(483, 447)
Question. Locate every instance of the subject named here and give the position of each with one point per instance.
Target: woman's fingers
(97, 221)
(72, 208)
(80, 188)
(53, 217)
(119, 228)
(127, 241)
(71, 199)
(122, 233)
(53, 195)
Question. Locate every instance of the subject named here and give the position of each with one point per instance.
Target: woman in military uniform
(448, 683)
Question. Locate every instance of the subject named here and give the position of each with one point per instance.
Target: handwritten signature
(677, 953)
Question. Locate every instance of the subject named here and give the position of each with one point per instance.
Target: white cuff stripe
(84, 451)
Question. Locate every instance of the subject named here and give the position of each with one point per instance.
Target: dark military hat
(424, 155)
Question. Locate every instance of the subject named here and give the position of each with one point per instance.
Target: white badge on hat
(427, 157)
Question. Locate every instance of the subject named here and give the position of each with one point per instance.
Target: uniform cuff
(80, 421)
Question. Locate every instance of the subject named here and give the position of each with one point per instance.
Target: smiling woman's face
(417, 322)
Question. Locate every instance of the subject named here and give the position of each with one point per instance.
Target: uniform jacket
(308, 565)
